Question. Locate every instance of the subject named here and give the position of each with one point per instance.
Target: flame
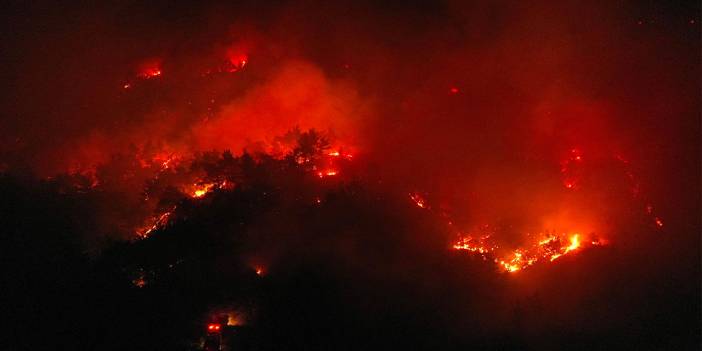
(150, 68)
(150, 72)
(202, 190)
(574, 243)
(201, 187)
(548, 247)
(327, 173)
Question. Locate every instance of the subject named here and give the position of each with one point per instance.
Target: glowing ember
(158, 222)
(570, 168)
(472, 245)
(337, 153)
(635, 187)
(418, 200)
(150, 72)
(259, 271)
(327, 173)
(166, 162)
(140, 281)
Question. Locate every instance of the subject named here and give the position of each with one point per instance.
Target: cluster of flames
(152, 68)
(545, 246)
(548, 247)
(330, 169)
(324, 168)
(234, 62)
(542, 247)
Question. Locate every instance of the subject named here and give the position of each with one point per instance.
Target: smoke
(299, 95)
(575, 117)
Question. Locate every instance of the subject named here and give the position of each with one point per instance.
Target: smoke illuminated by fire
(251, 91)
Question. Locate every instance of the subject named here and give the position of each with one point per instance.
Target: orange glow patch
(236, 61)
(150, 73)
(327, 173)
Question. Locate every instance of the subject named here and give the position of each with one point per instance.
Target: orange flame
(521, 258)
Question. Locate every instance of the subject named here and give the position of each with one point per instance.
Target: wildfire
(548, 248)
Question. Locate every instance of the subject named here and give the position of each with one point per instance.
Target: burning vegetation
(303, 175)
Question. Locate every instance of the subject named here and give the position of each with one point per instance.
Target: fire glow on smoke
(545, 246)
